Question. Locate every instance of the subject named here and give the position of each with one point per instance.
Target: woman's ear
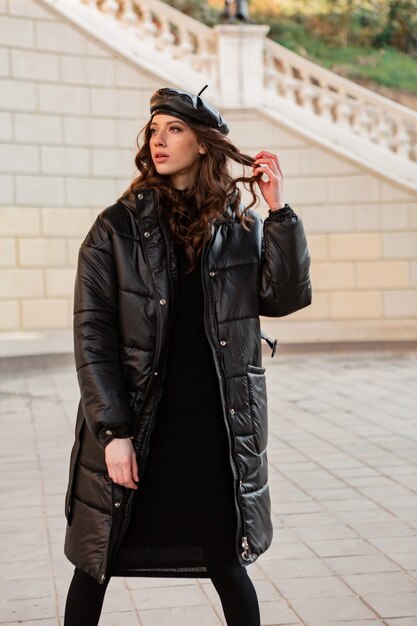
(201, 149)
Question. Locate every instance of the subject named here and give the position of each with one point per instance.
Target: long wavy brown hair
(190, 212)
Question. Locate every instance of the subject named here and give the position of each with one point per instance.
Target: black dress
(183, 520)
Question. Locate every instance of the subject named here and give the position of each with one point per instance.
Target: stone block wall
(70, 111)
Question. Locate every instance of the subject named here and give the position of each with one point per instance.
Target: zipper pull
(272, 343)
(246, 554)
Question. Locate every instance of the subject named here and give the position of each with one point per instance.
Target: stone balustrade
(169, 30)
(341, 101)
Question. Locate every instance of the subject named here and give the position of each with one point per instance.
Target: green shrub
(400, 28)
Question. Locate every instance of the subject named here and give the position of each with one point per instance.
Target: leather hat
(188, 107)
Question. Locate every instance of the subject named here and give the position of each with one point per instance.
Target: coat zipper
(158, 340)
(155, 363)
(246, 554)
(112, 550)
(158, 350)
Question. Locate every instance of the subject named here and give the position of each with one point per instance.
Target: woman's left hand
(273, 188)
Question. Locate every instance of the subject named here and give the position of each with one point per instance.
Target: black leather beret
(187, 107)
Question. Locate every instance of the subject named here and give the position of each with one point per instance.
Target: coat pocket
(258, 405)
(75, 452)
(87, 539)
(68, 494)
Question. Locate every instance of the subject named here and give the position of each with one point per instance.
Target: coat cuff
(286, 214)
(107, 434)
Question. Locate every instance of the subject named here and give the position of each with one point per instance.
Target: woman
(168, 472)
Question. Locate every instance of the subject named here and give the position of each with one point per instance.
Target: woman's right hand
(121, 462)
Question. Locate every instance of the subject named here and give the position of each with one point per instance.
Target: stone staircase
(246, 70)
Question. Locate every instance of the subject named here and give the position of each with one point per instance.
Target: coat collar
(143, 201)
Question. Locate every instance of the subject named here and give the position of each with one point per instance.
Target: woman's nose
(159, 140)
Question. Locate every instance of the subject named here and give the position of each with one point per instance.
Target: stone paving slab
(343, 475)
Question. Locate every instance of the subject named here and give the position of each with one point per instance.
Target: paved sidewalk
(343, 476)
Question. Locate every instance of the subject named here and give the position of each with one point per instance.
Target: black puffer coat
(124, 293)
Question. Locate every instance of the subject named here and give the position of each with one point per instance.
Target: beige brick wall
(69, 115)
(70, 110)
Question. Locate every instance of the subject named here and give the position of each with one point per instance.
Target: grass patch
(386, 66)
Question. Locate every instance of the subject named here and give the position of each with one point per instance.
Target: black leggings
(238, 597)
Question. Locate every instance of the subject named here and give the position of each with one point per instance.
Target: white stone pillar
(240, 58)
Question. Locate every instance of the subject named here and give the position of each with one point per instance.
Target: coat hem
(185, 572)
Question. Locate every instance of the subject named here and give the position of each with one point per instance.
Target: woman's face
(174, 149)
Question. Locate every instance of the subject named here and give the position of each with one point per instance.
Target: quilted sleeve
(96, 340)
(285, 280)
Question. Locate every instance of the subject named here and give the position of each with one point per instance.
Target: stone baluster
(147, 28)
(128, 15)
(185, 47)
(324, 102)
(287, 85)
(361, 120)
(385, 129)
(165, 38)
(305, 92)
(413, 145)
(402, 139)
(389, 132)
(206, 57)
(111, 7)
(373, 129)
(270, 72)
(342, 110)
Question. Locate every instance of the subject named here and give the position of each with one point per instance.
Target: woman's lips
(160, 158)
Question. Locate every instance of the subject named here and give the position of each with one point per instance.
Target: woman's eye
(175, 128)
